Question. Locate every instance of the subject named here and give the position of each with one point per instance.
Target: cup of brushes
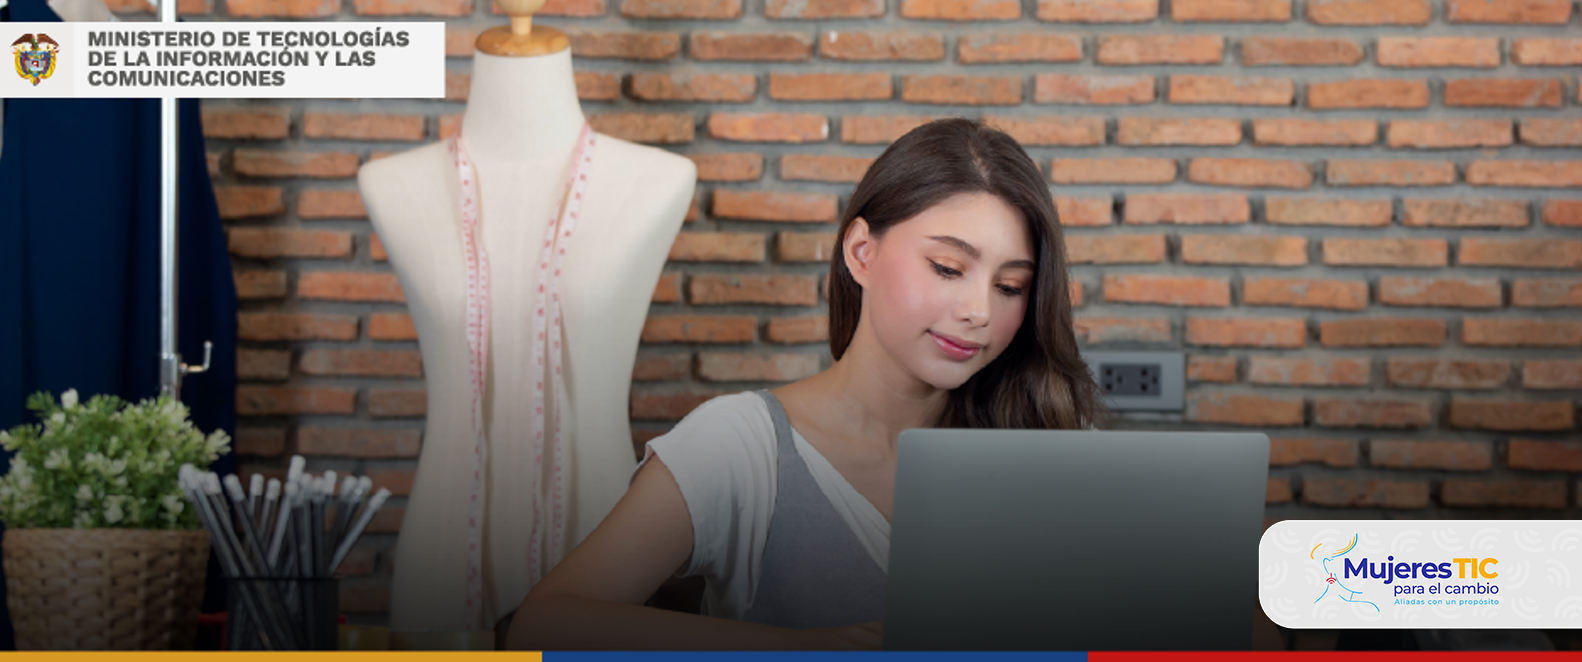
(279, 545)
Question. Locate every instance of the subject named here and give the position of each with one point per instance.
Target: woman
(948, 308)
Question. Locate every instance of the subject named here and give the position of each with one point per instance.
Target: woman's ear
(858, 250)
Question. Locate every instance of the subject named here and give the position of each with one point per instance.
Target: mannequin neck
(522, 108)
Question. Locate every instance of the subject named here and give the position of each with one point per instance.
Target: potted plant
(101, 550)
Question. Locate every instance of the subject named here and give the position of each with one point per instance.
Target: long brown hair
(1040, 380)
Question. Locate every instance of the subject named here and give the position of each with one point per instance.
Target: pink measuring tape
(546, 340)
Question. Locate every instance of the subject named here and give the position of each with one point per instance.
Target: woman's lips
(956, 348)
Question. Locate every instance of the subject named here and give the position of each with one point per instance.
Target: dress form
(519, 129)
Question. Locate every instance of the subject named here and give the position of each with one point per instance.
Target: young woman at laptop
(948, 307)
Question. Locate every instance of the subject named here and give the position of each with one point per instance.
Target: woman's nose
(973, 308)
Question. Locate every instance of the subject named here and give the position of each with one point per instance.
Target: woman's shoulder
(733, 423)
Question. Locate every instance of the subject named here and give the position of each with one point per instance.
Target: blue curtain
(79, 260)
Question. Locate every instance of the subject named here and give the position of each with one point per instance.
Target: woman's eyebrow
(973, 252)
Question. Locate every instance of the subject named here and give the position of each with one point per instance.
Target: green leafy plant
(103, 463)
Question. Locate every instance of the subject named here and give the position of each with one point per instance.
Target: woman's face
(945, 291)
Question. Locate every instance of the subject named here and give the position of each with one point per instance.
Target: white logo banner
(276, 60)
(1422, 573)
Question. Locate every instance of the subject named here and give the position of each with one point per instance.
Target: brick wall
(1359, 218)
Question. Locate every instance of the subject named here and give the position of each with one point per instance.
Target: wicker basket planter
(105, 589)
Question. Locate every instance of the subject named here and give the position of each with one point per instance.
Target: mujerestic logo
(35, 56)
(1402, 575)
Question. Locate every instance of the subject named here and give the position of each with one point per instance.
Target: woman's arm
(593, 598)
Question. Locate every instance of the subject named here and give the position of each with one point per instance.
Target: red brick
(347, 126)
(260, 163)
(667, 289)
(1504, 493)
(1547, 174)
(806, 329)
(655, 128)
(1521, 253)
(387, 520)
(811, 167)
(1112, 171)
(1508, 11)
(1368, 93)
(1441, 292)
(1503, 93)
(576, 8)
(770, 206)
(237, 202)
(1511, 416)
(1329, 452)
(1547, 132)
(361, 363)
(1166, 290)
(376, 249)
(1264, 250)
(1115, 249)
(778, 290)
(260, 442)
(1297, 51)
(663, 9)
(625, 45)
(1308, 372)
(345, 286)
(1382, 332)
(1546, 293)
(699, 328)
(1186, 208)
(1317, 211)
(1379, 172)
(1438, 51)
(962, 10)
(279, 401)
(1465, 213)
(768, 127)
(596, 86)
(1372, 413)
(1441, 134)
(1160, 49)
(1547, 52)
(361, 443)
(413, 7)
(880, 46)
(1237, 90)
(733, 167)
(260, 284)
(1230, 11)
(312, 205)
(1281, 332)
(1368, 12)
(267, 243)
(1024, 47)
(1563, 213)
(1355, 493)
(666, 406)
(817, 9)
(754, 46)
(265, 364)
(1250, 173)
(1086, 212)
(1446, 373)
(295, 326)
(282, 8)
(804, 246)
(962, 90)
(1253, 410)
(1098, 11)
(1521, 333)
(1305, 293)
(1092, 90)
(449, 126)
(391, 326)
(263, 124)
(717, 247)
(398, 482)
(1305, 132)
(1539, 455)
(696, 87)
(389, 403)
(659, 368)
(1278, 491)
(1552, 374)
(1385, 252)
(457, 86)
(1217, 369)
(881, 129)
(1196, 131)
(830, 87)
(1101, 330)
(753, 367)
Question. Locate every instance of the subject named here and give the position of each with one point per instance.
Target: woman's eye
(1010, 291)
(944, 270)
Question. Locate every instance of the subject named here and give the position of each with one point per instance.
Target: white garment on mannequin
(521, 123)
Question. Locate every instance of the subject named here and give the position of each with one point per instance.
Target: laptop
(1075, 540)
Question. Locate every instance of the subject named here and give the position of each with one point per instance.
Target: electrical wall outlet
(1140, 380)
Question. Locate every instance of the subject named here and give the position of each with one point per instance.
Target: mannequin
(520, 127)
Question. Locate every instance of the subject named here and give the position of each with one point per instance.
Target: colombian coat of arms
(35, 56)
